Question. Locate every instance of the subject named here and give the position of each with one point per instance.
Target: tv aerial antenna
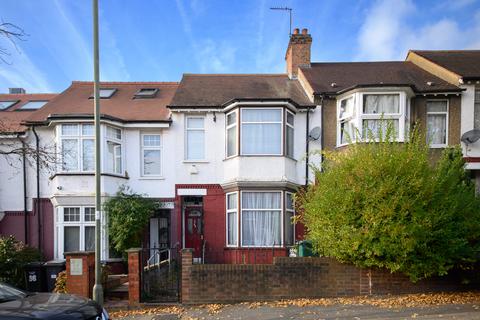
(290, 13)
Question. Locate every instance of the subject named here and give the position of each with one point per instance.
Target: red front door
(194, 230)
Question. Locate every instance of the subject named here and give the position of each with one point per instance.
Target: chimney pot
(296, 31)
(304, 31)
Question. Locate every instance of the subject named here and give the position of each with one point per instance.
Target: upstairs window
(105, 93)
(151, 155)
(77, 147)
(33, 105)
(114, 150)
(437, 123)
(477, 108)
(289, 134)
(231, 134)
(346, 121)
(146, 93)
(261, 131)
(7, 104)
(195, 138)
(379, 111)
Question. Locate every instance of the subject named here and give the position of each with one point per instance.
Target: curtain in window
(232, 228)
(88, 155)
(71, 239)
(195, 144)
(261, 227)
(70, 154)
(381, 103)
(437, 128)
(377, 127)
(89, 238)
(259, 134)
(231, 141)
(151, 162)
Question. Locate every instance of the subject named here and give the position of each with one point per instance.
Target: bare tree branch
(12, 33)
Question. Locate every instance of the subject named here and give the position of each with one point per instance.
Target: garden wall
(287, 278)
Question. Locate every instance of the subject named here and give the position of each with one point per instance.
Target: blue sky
(147, 40)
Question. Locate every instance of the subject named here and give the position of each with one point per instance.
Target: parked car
(16, 304)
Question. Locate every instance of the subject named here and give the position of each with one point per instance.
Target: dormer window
(7, 104)
(146, 93)
(33, 105)
(105, 93)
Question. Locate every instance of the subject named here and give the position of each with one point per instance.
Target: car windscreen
(9, 293)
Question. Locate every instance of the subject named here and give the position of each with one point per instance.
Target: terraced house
(223, 154)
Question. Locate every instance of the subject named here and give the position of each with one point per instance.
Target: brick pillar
(134, 276)
(187, 259)
(80, 272)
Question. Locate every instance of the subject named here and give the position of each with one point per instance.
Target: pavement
(356, 312)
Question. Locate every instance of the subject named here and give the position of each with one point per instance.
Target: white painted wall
(467, 123)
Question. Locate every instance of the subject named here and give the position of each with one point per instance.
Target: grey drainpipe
(25, 191)
(37, 145)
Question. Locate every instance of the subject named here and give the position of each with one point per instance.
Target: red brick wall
(81, 285)
(294, 278)
(13, 224)
(134, 274)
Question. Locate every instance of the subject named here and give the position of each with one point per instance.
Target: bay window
(114, 150)
(151, 155)
(372, 115)
(232, 214)
(289, 215)
(437, 123)
(289, 133)
(195, 138)
(75, 229)
(476, 108)
(77, 147)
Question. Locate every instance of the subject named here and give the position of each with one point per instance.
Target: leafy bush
(386, 205)
(13, 257)
(128, 214)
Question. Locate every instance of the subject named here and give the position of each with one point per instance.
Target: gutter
(39, 225)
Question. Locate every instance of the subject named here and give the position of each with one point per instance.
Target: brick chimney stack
(298, 52)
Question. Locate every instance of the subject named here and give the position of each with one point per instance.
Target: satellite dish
(314, 134)
(471, 136)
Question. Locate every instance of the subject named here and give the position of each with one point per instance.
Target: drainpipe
(307, 129)
(25, 222)
(37, 145)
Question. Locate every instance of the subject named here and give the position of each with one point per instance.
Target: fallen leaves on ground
(390, 301)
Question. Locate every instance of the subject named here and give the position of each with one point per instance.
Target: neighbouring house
(25, 212)
(223, 154)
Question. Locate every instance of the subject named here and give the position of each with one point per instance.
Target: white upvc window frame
(235, 125)
(61, 224)
(349, 120)
(359, 116)
(281, 122)
(232, 210)
(79, 136)
(292, 211)
(144, 148)
(285, 134)
(282, 218)
(119, 146)
(186, 142)
(446, 113)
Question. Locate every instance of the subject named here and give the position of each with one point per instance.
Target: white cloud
(387, 33)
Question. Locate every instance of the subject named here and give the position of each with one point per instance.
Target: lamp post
(97, 288)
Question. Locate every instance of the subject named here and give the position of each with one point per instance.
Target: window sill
(87, 174)
(151, 178)
(438, 146)
(260, 156)
(195, 161)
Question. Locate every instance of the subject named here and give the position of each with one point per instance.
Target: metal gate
(160, 275)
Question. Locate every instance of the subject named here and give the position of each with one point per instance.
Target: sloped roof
(465, 63)
(76, 101)
(338, 77)
(12, 117)
(217, 90)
